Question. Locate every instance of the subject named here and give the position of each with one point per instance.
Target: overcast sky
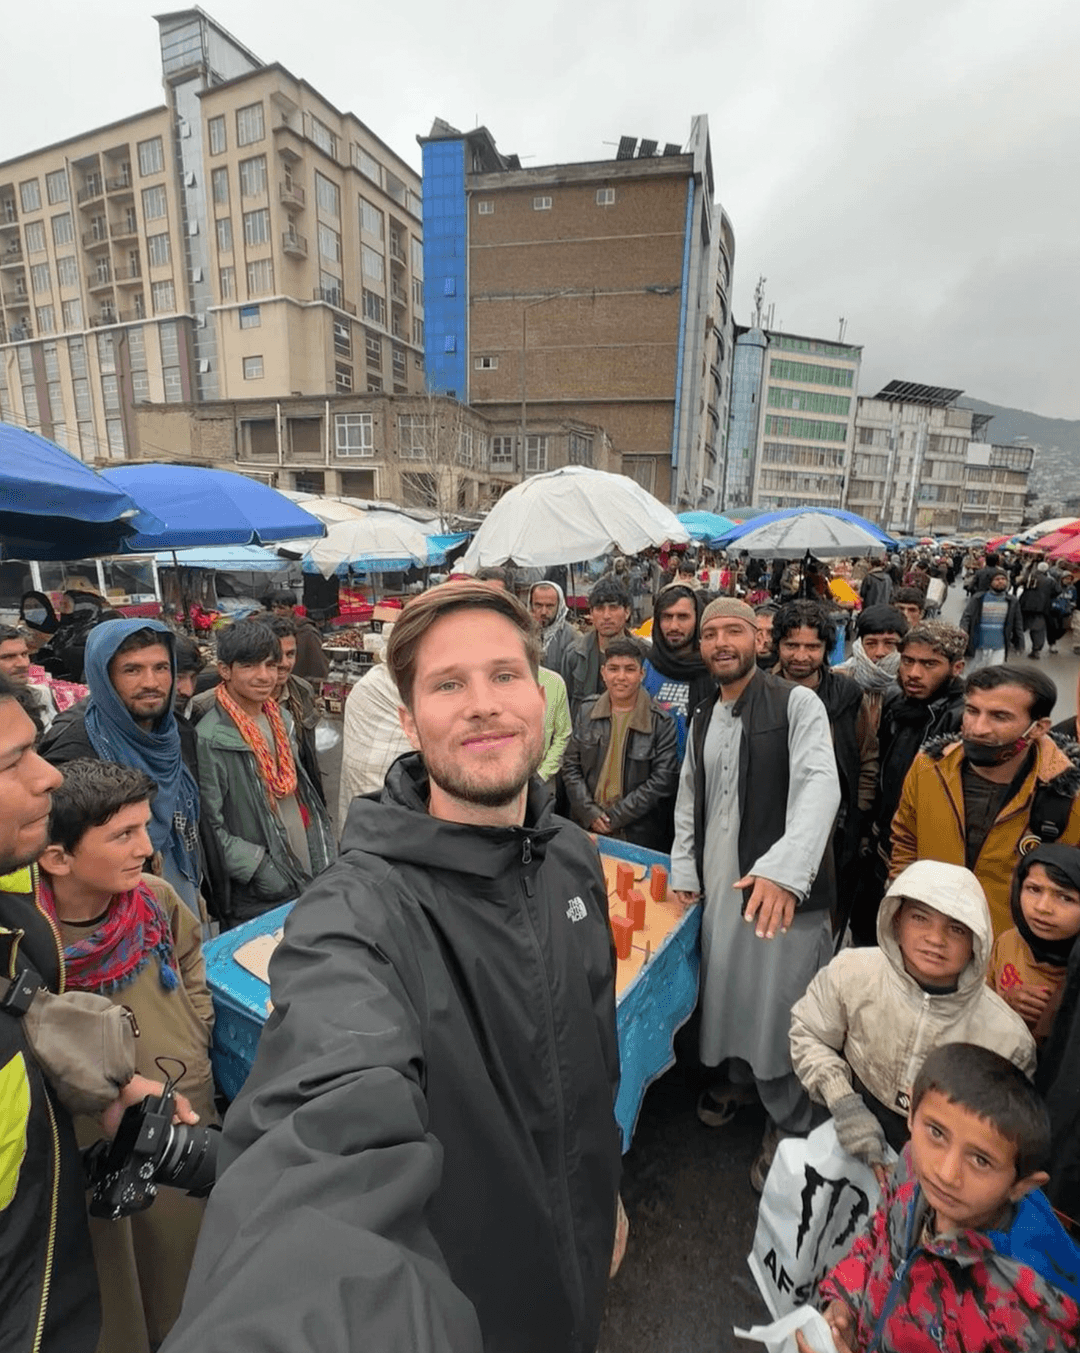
(910, 165)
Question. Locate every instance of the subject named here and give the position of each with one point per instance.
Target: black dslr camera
(150, 1149)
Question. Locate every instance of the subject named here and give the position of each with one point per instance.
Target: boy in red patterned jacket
(964, 1255)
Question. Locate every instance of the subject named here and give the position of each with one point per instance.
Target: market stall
(656, 979)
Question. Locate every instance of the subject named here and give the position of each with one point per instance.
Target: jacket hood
(562, 610)
(953, 890)
(395, 825)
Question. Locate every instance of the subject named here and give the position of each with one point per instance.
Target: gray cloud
(909, 165)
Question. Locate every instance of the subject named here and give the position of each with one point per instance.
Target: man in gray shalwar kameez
(758, 795)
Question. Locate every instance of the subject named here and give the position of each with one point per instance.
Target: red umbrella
(1063, 538)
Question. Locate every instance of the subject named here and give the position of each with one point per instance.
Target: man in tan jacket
(1003, 787)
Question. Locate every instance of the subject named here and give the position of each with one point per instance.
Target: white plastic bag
(816, 1200)
(779, 1337)
(327, 736)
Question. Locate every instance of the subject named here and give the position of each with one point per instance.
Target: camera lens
(189, 1159)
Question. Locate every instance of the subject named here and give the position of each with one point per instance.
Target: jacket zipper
(896, 1286)
(46, 1281)
(549, 1014)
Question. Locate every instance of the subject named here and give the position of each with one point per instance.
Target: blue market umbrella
(209, 507)
(793, 532)
(708, 527)
(52, 506)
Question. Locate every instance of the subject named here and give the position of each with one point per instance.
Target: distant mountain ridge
(1057, 464)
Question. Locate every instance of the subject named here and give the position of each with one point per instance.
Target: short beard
(466, 790)
(10, 863)
(680, 645)
(745, 667)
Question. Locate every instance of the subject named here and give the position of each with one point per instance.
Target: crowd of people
(870, 806)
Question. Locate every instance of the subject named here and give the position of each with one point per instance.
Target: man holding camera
(48, 1291)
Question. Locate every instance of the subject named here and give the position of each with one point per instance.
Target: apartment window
(418, 333)
(227, 283)
(151, 156)
(114, 432)
(46, 319)
(354, 434)
(373, 348)
(253, 368)
(257, 226)
(395, 188)
(324, 138)
(35, 237)
(250, 317)
(343, 381)
(39, 277)
(416, 251)
(373, 263)
(260, 277)
(327, 195)
(418, 292)
(163, 297)
(342, 338)
(580, 450)
(30, 195)
(367, 164)
(62, 230)
(110, 394)
(215, 130)
(253, 176)
(219, 186)
(56, 187)
(140, 387)
(169, 338)
(536, 454)
(223, 227)
(329, 244)
(465, 448)
(486, 363)
(158, 250)
(99, 228)
(415, 434)
(154, 203)
(485, 208)
(81, 389)
(71, 313)
(641, 469)
(136, 349)
(330, 287)
(77, 356)
(371, 218)
(131, 221)
(541, 204)
(605, 197)
(398, 364)
(174, 386)
(374, 384)
(419, 490)
(67, 273)
(374, 307)
(502, 453)
(249, 124)
(103, 270)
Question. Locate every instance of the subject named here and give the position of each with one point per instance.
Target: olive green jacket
(262, 870)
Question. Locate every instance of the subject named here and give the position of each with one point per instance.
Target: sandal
(719, 1104)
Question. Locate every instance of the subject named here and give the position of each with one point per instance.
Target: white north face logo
(575, 909)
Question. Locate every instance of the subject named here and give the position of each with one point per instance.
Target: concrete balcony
(293, 244)
(292, 195)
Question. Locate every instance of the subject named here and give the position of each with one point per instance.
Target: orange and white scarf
(277, 769)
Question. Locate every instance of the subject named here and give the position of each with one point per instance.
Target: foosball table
(656, 978)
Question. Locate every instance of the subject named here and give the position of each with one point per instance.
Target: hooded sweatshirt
(864, 1015)
(428, 1129)
(557, 637)
(1012, 1290)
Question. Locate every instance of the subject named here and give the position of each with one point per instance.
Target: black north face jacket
(425, 1155)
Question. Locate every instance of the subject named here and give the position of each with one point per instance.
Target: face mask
(35, 616)
(993, 754)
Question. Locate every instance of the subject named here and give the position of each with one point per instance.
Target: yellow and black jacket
(48, 1291)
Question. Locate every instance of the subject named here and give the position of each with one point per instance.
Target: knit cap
(728, 608)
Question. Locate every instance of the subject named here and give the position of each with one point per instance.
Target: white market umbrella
(568, 515)
(817, 533)
(373, 542)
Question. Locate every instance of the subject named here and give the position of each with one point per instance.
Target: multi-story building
(592, 293)
(922, 465)
(792, 420)
(246, 239)
(424, 451)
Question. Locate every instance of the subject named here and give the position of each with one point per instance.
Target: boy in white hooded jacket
(869, 1018)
